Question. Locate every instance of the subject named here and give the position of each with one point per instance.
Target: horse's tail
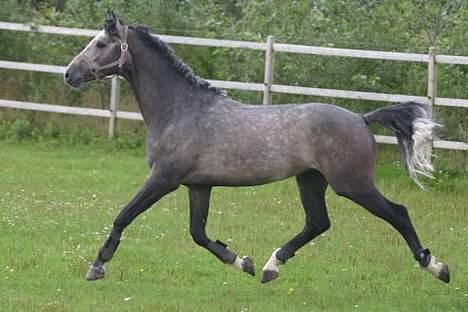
(413, 127)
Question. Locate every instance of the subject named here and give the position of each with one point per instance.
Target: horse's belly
(244, 174)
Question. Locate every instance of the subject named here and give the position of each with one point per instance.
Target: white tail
(420, 160)
(413, 127)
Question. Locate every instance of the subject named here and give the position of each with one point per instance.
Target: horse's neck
(152, 92)
(159, 89)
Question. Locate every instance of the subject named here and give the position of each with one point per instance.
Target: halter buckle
(93, 70)
(123, 47)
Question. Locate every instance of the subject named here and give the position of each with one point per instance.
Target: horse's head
(105, 55)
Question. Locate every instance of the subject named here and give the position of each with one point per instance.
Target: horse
(199, 137)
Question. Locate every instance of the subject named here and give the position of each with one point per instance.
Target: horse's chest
(168, 149)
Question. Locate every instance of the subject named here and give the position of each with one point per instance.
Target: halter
(95, 68)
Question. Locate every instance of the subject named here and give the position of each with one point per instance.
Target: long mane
(165, 51)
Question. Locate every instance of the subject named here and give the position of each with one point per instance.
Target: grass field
(57, 204)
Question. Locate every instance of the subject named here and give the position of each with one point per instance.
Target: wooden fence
(267, 87)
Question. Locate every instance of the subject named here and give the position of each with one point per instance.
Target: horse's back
(248, 145)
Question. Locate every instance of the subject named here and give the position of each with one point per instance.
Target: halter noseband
(95, 68)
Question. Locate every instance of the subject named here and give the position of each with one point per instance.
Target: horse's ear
(111, 24)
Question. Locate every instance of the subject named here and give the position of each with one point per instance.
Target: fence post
(268, 81)
(431, 85)
(114, 102)
(432, 78)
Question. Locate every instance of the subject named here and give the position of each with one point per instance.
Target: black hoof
(248, 265)
(268, 276)
(95, 273)
(444, 274)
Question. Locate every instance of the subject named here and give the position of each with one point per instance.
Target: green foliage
(404, 26)
(55, 134)
(19, 129)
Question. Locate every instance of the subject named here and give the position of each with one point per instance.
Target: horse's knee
(199, 237)
(355, 190)
(118, 225)
(350, 193)
(324, 226)
(316, 228)
(374, 202)
(399, 210)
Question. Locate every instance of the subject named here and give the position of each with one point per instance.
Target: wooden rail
(270, 48)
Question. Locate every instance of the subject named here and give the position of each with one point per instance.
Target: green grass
(58, 202)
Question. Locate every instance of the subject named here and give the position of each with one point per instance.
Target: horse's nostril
(67, 75)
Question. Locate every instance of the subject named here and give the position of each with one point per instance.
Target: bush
(55, 134)
(20, 129)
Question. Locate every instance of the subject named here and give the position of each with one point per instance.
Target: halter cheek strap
(96, 68)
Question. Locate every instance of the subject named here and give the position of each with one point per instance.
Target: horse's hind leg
(397, 215)
(312, 186)
(199, 197)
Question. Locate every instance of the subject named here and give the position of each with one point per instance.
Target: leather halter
(95, 68)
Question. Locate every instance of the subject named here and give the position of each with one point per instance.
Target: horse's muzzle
(76, 74)
(73, 77)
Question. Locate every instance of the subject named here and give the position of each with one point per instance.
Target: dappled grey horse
(199, 137)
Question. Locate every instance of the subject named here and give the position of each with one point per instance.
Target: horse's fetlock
(105, 254)
(423, 256)
(284, 255)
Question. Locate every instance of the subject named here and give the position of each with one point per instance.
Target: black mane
(168, 53)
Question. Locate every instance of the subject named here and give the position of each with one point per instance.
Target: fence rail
(267, 87)
(246, 86)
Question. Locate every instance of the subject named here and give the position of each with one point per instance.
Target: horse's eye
(100, 44)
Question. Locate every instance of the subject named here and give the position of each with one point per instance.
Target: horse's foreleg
(153, 190)
(199, 205)
(312, 186)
